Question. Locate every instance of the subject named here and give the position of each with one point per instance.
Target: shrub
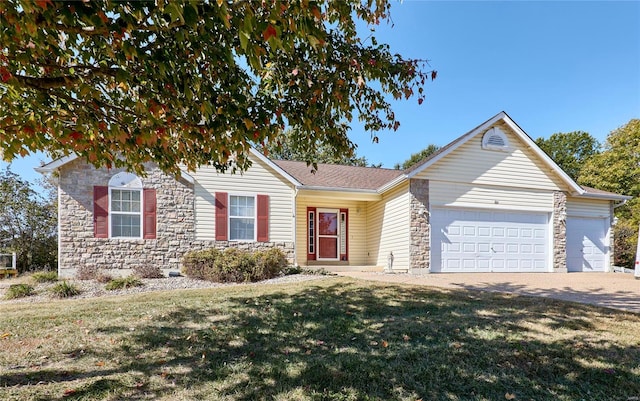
(19, 291)
(93, 273)
(196, 263)
(103, 277)
(270, 263)
(123, 282)
(87, 273)
(148, 271)
(234, 265)
(64, 290)
(45, 277)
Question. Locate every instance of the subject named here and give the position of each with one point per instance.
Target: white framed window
(242, 217)
(311, 221)
(125, 206)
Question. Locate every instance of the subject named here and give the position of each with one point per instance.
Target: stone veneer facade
(559, 232)
(420, 229)
(175, 225)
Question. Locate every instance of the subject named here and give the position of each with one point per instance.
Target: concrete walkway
(611, 290)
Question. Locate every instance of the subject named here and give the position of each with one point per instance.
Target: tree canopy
(292, 146)
(417, 157)
(570, 150)
(617, 169)
(27, 223)
(121, 83)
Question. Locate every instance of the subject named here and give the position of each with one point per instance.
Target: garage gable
(517, 166)
(497, 153)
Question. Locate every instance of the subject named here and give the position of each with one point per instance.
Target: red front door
(328, 234)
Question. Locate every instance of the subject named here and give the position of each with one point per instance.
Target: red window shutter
(221, 216)
(149, 214)
(263, 218)
(101, 212)
(311, 233)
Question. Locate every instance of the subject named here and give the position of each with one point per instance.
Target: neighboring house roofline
(444, 151)
(56, 164)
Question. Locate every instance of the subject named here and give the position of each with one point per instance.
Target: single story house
(490, 201)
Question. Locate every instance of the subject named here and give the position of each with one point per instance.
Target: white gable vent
(495, 139)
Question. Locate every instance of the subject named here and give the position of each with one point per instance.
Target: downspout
(617, 205)
(59, 232)
(295, 225)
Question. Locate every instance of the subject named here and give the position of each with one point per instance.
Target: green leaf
(190, 15)
(244, 40)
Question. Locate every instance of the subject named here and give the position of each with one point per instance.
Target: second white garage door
(466, 240)
(586, 244)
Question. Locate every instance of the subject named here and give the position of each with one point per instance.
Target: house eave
(56, 164)
(393, 183)
(340, 193)
(611, 197)
(274, 166)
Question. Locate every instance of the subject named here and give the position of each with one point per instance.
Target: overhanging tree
(191, 83)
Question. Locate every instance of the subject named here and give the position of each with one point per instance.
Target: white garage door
(586, 244)
(486, 241)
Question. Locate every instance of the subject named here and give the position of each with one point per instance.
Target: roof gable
(526, 143)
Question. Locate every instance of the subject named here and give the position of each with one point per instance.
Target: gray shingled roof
(338, 176)
(596, 191)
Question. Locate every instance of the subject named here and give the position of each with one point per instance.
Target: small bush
(123, 282)
(148, 271)
(19, 291)
(87, 273)
(64, 290)
(270, 263)
(103, 277)
(195, 264)
(234, 265)
(45, 277)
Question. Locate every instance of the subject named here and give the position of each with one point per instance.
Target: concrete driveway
(611, 290)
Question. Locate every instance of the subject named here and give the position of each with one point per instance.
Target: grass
(332, 339)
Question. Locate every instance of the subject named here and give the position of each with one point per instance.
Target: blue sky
(552, 66)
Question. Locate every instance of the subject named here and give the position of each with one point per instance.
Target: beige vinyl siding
(356, 226)
(489, 197)
(388, 228)
(519, 167)
(258, 179)
(596, 208)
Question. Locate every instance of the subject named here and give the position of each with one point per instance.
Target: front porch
(341, 266)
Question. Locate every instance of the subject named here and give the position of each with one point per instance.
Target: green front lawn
(332, 339)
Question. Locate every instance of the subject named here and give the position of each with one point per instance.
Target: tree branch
(45, 83)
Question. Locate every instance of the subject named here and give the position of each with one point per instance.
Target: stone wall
(559, 232)
(175, 225)
(420, 230)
